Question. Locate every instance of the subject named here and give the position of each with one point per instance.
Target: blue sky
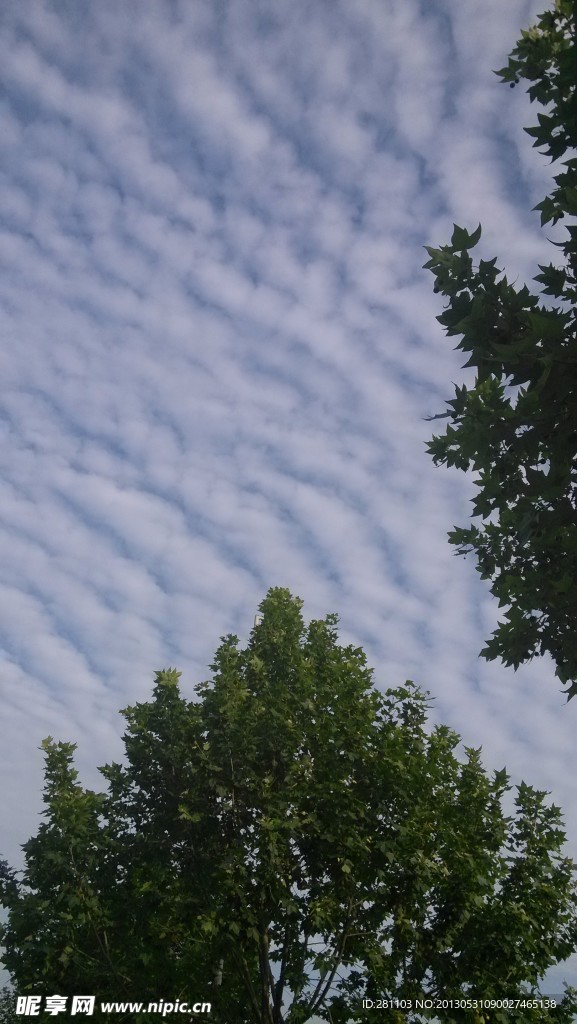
(219, 348)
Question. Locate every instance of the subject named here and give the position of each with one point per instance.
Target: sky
(219, 348)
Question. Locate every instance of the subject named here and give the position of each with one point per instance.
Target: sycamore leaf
(462, 240)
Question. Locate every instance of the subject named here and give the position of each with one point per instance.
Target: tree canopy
(287, 844)
(517, 425)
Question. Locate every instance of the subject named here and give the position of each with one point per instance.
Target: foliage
(287, 844)
(517, 426)
(8, 1007)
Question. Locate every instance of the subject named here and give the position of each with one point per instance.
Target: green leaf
(462, 240)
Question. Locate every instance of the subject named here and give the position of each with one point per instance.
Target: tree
(517, 425)
(288, 844)
(7, 1006)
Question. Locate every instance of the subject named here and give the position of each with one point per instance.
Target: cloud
(220, 347)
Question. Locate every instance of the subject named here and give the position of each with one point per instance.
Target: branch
(321, 990)
(279, 987)
(265, 973)
(248, 983)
